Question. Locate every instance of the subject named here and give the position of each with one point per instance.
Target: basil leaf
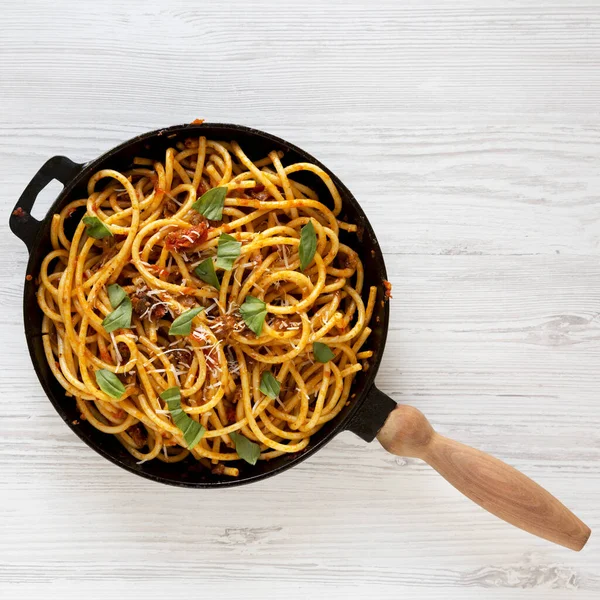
(269, 386)
(182, 325)
(116, 294)
(227, 251)
(192, 430)
(206, 271)
(247, 450)
(118, 318)
(109, 383)
(322, 352)
(308, 245)
(211, 203)
(96, 228)
(253, 312)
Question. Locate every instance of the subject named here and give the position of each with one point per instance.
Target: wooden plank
(469, 132)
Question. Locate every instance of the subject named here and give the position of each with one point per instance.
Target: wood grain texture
(492, 484)
(469, 132)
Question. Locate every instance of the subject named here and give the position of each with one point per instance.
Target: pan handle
(22, 224)
(372, 414)
(500, 489)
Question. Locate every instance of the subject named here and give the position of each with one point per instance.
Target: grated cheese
(149, 310)
(117, 353)
(167, 352)
(174, 371)
(285, 256)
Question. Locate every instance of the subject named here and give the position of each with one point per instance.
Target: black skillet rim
(345, 423)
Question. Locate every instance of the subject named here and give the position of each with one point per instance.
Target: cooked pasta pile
(204, 305)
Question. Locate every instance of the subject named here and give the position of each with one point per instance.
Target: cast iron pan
(489, 482)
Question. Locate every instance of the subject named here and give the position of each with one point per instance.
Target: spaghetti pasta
(216, 282)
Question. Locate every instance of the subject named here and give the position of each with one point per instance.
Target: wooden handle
(500, 489)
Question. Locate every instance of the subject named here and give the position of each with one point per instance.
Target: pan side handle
(500, 489)
(22, 223)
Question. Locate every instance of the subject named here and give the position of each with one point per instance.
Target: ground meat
(347, 261)
(218, 469)
(196, 218)
(230, 414)
(175, 277)
(237, 396)
(141, 304)
(203, 187)
(259, 193)
(187, 301)
(223, 326)
(138, 435)
(197, 121)
(181, 355)
(183, 239)
(388, 289)
(19, 212)
(124, 351)
(129, 378)
(158, 312)
(171, 207)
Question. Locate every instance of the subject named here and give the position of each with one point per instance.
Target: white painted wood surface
(469, 131)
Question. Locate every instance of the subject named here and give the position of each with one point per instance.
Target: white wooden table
(469, 131)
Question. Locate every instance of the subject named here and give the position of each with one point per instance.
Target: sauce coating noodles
(152, 243)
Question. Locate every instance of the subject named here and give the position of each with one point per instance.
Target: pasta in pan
(205, 306)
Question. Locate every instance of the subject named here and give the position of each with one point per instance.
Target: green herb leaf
(211, 203)
(269, 386)
(118, 318)
(96, 228)
(227, 251)
(308, 245)
(109, 383)
(253, 312)
(322, 352)
(192, 430)
(247, 450)
(206, 271)
(182, 325)
(116, 294)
